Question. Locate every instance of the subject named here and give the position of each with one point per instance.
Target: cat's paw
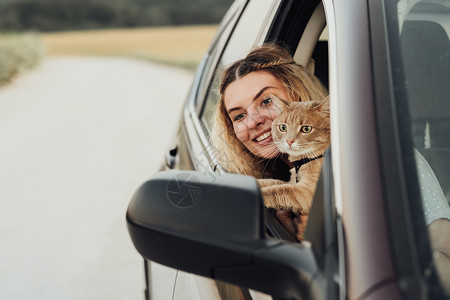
(300, 223)
(300, 205)
(295, 224)
(268, 182)
(292, 197)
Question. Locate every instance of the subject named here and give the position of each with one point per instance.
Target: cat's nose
(290, 142)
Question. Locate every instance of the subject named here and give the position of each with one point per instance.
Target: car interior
(312, 50)
(426, 50)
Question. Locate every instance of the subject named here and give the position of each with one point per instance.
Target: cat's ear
(279, 103)
(324, 106)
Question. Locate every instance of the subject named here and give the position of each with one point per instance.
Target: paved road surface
(78, 135)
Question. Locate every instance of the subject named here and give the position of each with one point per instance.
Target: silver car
(205, 234)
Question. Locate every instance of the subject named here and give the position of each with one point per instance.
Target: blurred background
(90, 95)
(169, 31)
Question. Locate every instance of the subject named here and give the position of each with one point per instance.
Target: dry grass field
(18, 52)
(182, 46)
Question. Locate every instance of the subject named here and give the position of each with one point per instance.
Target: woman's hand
(440, 243)
(295, 224)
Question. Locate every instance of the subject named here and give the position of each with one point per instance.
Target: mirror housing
(213, 226)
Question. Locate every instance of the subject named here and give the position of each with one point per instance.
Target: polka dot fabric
(435, 204)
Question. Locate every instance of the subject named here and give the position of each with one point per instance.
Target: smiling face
(252, 111)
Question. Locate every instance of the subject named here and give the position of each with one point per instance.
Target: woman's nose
(254, 120)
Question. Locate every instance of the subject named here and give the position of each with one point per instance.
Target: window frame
(407, 231)
(208, 84)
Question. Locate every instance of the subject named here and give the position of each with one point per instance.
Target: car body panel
(189, 286)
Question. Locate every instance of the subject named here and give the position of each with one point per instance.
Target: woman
(245, 113)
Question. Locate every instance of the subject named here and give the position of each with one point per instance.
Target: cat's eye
(306, 129)
(282, 127)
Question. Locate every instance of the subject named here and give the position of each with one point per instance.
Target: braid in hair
(271, 64)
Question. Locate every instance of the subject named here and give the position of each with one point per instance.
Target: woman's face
(247, 101)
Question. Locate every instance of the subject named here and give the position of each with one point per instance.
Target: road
(78, 136)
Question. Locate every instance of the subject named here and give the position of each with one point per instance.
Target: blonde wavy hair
(298, 83)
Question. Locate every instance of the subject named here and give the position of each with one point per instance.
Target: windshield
(422, 30)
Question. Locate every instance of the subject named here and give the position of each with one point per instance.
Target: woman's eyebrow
(262, 91)
(254, 98)
(233, 109)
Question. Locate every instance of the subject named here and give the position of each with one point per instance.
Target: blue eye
(238, 117)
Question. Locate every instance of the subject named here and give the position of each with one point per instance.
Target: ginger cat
(302, 131)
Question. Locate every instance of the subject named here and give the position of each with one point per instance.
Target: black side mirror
(214, 227)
